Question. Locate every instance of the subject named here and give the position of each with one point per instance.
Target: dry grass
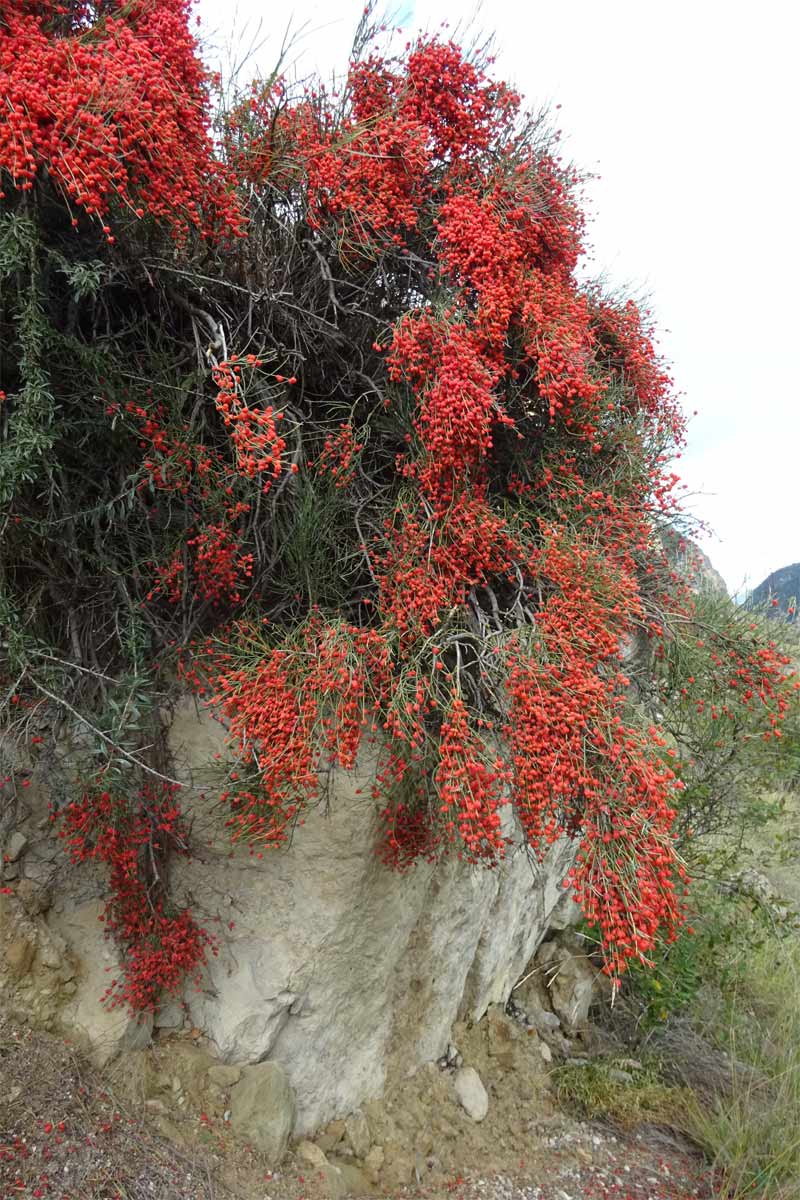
(739, 1048)
(62, 1135)
(751, 1128)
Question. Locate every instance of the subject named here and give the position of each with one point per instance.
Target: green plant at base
(601, 1090)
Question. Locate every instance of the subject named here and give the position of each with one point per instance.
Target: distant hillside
(692, 563)
(782, 586)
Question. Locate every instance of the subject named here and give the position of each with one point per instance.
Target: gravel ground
(64, 1137)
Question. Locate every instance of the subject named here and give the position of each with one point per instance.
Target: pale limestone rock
(349, 975)
(570, 978)
(263, 1109)
(106, 1031)
(169, 1014)
(470, 1093)
(345, 972)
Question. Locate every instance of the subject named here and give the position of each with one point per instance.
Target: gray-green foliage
(29, 412)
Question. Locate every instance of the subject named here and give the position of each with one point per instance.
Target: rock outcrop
(342, 971)
(331, 968)
(782, 586)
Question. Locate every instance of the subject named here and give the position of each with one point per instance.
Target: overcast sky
(688, 113)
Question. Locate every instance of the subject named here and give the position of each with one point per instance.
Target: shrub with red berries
(321, 412)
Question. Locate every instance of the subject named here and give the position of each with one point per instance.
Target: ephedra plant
(314, 408)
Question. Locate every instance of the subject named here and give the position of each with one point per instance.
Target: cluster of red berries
(127, 835)
(253, 431)
(114, 112)
(338, 457)
(317, 694)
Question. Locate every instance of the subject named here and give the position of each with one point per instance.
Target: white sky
(688, 111)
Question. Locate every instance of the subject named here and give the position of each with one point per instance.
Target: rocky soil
(92, 1109)
(171, 1122)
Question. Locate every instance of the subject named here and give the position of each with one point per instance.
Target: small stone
(19, 956)
(34, 898)
(543, 1020)
(16, 845)
(224, 1077)
(156, 1106)
(169, 1015)
(373, 1162)
(618, 1076)
(312, 1154)
(572, 981)
(546, 1052)
(470, 1093)
(358, 1134)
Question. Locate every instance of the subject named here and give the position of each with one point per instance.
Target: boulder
(105, 1031)
(169, 1014)
(347, 973)
(570, 978)
(470, 1093)
(263, 1109)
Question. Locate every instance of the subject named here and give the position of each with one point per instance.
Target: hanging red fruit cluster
(161, 947)
(110, 103)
